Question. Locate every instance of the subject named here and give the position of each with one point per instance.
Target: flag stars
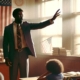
(5, 2)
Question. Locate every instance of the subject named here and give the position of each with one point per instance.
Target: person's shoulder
(55, 75)
(61, 75)
(49, 75)
(9, 25)
(25, 22)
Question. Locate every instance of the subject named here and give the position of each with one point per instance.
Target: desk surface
(67, 76)
(30, 78)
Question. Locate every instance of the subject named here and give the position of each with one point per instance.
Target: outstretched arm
(43, 76)
(45, 23)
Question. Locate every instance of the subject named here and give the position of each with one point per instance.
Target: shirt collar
(16, 23)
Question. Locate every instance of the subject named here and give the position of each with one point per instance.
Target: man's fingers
(58, 10)
(57, 14)
(8, 63)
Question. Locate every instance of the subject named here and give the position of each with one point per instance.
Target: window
(77, 36)
(54, 31)
(77, 29)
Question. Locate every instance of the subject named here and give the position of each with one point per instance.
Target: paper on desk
(72, 74)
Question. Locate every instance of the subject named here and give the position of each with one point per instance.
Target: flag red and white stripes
(5, 17)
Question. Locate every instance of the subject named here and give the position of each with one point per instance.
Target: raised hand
(56, 14)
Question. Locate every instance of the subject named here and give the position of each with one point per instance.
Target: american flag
(5, 14)
(47, 45)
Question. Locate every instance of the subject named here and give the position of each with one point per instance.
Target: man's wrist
(51, 21)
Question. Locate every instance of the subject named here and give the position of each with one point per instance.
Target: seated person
(54, 69)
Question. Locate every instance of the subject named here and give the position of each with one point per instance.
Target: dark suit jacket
(8, 38)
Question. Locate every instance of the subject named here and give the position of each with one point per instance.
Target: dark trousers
(19, 62)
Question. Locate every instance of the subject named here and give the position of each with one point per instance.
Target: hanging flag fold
(46, 45)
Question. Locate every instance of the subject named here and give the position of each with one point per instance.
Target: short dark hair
(15, 12)
(54, 66)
